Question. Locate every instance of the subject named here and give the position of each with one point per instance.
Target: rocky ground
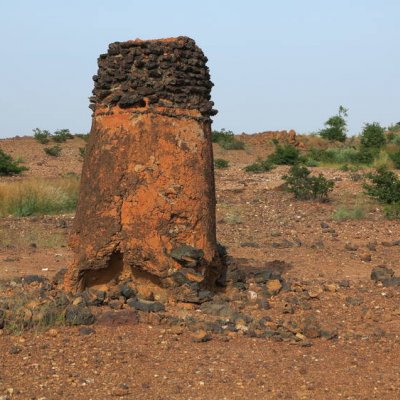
(301, 317)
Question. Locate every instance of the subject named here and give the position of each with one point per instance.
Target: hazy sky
(275, 64)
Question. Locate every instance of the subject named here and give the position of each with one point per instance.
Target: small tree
(336, 126)
(42, 137)
(9, 166)
(62, 135)
(373, 136)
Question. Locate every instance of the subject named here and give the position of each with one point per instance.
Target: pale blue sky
(275, 64)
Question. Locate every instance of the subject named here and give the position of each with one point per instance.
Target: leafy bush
(62, 135)
(306, 187)
(336, 126)
(373, 136)
(9, 166)
(221, 163)
(259, 166)
(384, 186)
(395, 157)
(285, 155)
(54, 151)
(226, 139)
(345, 213)
(42, 137)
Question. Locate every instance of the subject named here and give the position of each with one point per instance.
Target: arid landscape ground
(336, 332)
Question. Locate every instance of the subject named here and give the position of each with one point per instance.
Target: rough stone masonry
(146, 208)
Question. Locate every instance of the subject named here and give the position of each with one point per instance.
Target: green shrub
(305, 187)
(226, 139)
(259, 166)
(9, 166)
(384, 186)
(336, 127)
(220, 163)
(310, 162)
(373, 136)
(345, 213)
(344, 155)
(285, 155)
(54, 151)
(395, 157)
(62, 135)
(42, 137)
(82, 151)
(392, 211)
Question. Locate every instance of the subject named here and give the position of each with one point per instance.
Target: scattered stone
(350, 247)
(315, 292)
(385, 275)
(371, 246)
(79, 315)
(324, 225)
(310, 327)
(200, 336)
(117, 318)
(145, 305)
(366, 257)
(29, 279)
(15, 350)
(274, 286)
(353, 301)
(86, 331)
(218, 309)
(250, 244)
(52, 332)
(285, 244)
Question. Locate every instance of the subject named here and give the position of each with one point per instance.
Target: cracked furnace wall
(146, 207)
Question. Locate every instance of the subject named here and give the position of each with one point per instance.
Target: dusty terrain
(328, 263)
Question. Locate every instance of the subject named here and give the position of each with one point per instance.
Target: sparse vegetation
(336, 126)
(62, 135)
(42, 137)
(9, 166)
(226, 139)
(38, 196)
(344, 213)
(305, 187)
(82, 151)
(220, 163)
(54, 151)
(259, 166)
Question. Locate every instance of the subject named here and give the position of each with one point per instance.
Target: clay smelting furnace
(146, 209)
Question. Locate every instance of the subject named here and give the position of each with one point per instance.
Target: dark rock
(145, 305)
(385, 275)
(285, 244)
(350, 247)
(187, 255)
(353, 301)
(324, 225)
(250, 244)
(127, 291)
(15, 350)
(28, 279)
(86, 331)
(79, 315)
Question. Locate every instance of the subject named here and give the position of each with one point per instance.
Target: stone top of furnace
(170, 73)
